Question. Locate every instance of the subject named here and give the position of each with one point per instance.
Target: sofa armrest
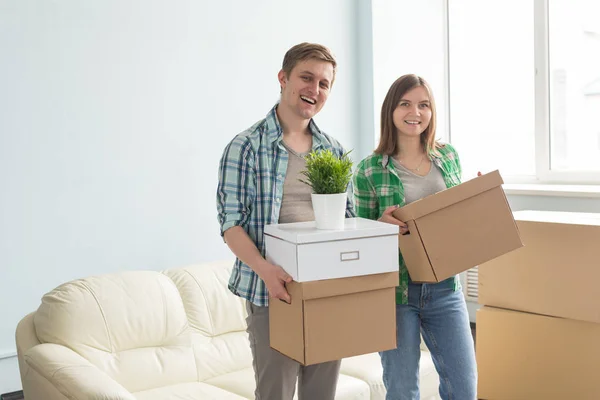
(73, 375)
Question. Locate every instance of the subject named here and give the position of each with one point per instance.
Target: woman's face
(413, 113)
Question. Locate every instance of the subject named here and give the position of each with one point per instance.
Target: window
(574, 81)
(517, 82)
(492, 91)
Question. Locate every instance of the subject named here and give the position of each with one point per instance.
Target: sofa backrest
(150, 329)
(217, 318)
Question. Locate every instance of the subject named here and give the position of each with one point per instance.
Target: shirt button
(280, 177)
(277, 199)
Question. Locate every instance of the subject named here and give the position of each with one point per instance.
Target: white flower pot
(330, 210)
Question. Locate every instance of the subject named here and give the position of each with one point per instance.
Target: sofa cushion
(132, 325)
(242, 383)
(367, 367)
(221, 354)
(187, 391)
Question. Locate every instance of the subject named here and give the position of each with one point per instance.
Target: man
(258, 185)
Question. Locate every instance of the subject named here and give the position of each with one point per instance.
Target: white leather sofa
(146, 335)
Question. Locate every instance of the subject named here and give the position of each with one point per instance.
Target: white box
(363, 247)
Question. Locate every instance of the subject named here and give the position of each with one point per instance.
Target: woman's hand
(390, 219)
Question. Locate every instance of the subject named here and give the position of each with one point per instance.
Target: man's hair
(307, 51)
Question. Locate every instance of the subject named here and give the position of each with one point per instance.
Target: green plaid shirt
(377, 186)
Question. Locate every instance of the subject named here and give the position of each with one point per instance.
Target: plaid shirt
(377, 186)
(251, 176)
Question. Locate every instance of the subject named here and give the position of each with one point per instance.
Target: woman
(408, 165)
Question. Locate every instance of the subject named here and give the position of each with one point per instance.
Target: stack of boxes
(343, 290)
(344, 281)
(538, 332)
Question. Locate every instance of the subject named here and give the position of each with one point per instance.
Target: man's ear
(281, 76)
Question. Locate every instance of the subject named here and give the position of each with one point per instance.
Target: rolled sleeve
(236, 189)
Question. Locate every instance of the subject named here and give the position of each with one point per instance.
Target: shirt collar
(385, 159)
(275, 133)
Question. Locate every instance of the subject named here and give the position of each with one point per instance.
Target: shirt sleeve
(458, 166)
(236, 189)
(365, 198)
(453, 155)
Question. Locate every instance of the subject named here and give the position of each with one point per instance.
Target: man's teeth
(412, 122)
(311, 101)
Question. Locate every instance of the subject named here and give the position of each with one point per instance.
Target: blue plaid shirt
(251, 175)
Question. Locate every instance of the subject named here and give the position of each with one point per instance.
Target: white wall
(113, 117)
(409, 38)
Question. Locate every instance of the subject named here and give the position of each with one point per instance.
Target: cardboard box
(557, 271)
(343, 293)
(529, 356)
(363, 247)
(337, 318)
(457, 229)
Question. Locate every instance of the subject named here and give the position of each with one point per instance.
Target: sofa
(149, 335)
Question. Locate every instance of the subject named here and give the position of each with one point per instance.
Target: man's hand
(275, 278)
(273, 275)
(390, 219)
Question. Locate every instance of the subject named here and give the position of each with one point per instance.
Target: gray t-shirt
(415, 186)
(296, 205)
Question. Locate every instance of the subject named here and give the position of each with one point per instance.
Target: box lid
(558, 217)
(445, 198)
(340, 286)
(307, 232)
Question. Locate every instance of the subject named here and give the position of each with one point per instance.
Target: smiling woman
(408, 165)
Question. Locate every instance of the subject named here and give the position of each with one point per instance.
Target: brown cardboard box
(530, 356)
(556, 273)
(457, 229)
(335, 318)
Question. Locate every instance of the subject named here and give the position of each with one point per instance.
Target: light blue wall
(114, 115)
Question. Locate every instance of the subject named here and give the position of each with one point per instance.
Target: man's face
(305, 91)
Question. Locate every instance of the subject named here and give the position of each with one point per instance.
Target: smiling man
(258, 185)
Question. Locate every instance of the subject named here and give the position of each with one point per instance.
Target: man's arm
(244, 248)
(235, 195)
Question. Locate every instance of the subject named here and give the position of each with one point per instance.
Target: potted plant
(328, 175)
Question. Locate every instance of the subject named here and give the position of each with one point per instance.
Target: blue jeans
(440, 314)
